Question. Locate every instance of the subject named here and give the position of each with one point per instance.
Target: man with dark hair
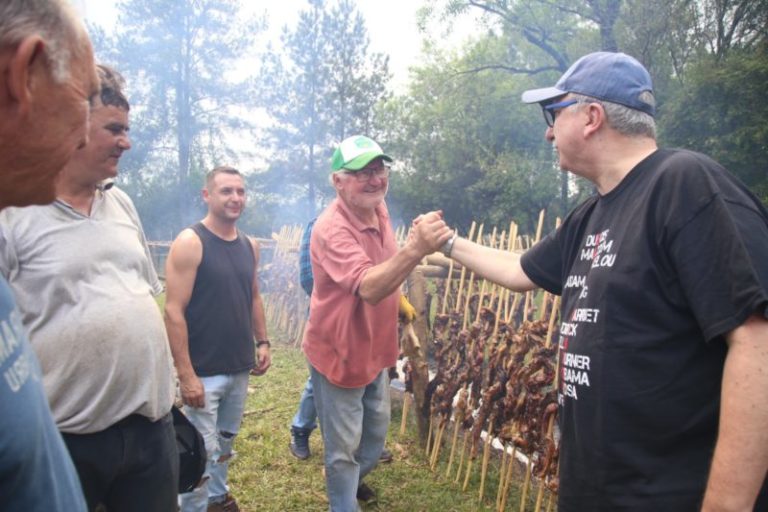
(214, 314)
(86, 288)
(43, 120)
(664, 331)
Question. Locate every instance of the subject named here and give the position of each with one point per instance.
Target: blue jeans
(131, 466)
(218, 422)
(306, 415)
(354, 423)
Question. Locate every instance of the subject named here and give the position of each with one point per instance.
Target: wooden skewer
(550, 502)
(461, 459)
(457, 420)
(429, 438)
(448, 281)
(485, 281)
(508, 478)
(463, 271)
(502, 470)
(552, 318)
(540, 226)
(438, 444)
(543, 307)
(539, 497)
(486, 454)
(499, 305)
(526, 483)
(466, 476)
(510, 247)
(471, 281)
(454, 442)
(526, 306)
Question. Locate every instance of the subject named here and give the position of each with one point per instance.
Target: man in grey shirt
(46, 62)
(86, 288)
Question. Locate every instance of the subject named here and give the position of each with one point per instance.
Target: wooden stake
(461, 459)
(458, 418)
(539, 497)
(471, 281)
(429, 438)
(466, 476)
(486, 454)
(406, 404)
(552, 318)
(526, 306)
(502, 470)
(463, 271)
(526, 483)
(438, 444)
(485, 281)
(540, 226)
(448, 281)
(508, 477)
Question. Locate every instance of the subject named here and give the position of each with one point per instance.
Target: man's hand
(192, 391)
(407, 311)
(263, 361)
(429, 232)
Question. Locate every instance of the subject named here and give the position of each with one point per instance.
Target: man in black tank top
(216, 326)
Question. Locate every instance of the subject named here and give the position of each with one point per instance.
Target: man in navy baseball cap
(663, 282)
(614, 77)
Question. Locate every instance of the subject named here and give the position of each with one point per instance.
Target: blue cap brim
(540, 95)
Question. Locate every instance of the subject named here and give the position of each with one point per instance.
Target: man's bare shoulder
(186, 249)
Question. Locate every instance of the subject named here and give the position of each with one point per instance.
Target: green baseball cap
(356, 152)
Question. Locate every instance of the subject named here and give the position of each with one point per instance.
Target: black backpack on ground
(192, 456)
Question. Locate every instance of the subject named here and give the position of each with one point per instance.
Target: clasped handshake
(428, 233)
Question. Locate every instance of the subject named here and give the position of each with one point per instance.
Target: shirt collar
(381, 212)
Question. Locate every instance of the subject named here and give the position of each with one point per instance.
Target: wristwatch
(447, 247)
(263, 342)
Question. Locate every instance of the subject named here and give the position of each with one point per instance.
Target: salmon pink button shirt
(348, 340)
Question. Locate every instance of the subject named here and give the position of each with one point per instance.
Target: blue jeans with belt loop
(218, 422)
(354, 423)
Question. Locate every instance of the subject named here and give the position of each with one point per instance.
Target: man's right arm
(180, 271)
(501, 267)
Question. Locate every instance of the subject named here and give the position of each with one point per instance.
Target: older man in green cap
(351, 335)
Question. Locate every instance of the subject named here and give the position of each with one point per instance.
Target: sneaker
(365, 493)
(300, 443)
(386, 456)
(228, 505)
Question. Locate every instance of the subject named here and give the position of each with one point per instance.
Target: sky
(391, 26)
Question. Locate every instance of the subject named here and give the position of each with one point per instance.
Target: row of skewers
(495, 381)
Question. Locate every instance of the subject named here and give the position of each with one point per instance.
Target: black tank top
(219, 318)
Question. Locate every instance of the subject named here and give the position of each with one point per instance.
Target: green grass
(265, 477)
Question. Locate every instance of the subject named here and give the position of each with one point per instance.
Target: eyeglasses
(366, 173)
(549, 110)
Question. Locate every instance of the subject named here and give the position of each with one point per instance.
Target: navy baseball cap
(614, 77)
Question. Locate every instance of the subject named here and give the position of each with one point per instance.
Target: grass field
(264, 476)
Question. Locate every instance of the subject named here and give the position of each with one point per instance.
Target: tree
(320, 89)
(172, 53)
(541, 38)
(465, 143)
(720, 110)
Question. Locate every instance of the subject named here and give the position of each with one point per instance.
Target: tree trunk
(413, 335)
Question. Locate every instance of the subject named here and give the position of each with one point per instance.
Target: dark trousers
(132, 466)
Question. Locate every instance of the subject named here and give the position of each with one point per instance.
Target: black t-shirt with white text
(652, 276)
